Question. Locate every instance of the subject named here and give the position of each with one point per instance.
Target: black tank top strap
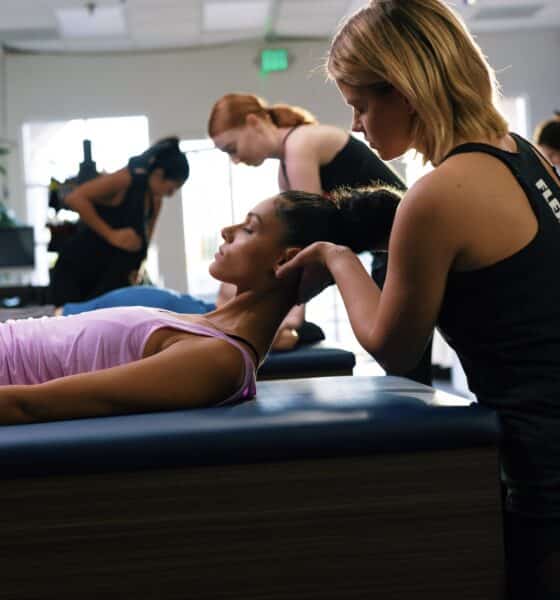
(282, 161)
(528, 169)
(249, 344)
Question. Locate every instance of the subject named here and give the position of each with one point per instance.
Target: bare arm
(302, 166)
(186, 375)
(106, 190)
(395, 325)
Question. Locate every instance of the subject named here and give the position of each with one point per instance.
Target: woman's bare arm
(188, 374)
(302, 166)
(395, 325)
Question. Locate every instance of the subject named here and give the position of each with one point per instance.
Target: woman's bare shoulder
(457, 178)
(210, 355)
(440, 201)
(319, 139)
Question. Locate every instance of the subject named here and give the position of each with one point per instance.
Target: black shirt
(88, 265)
(353, 166)
(504, 323)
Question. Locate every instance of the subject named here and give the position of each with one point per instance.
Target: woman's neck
(255, 315)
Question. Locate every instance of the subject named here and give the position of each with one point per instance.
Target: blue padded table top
(289, 419)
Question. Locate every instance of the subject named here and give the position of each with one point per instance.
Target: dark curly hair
(360, 218)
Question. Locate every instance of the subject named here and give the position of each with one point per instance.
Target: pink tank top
(38, 350)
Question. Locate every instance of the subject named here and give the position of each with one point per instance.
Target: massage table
(335, 488)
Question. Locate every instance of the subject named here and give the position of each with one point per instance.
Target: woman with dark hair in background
(118, 213)
(314, 157)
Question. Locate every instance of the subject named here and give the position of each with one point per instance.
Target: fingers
(284, 270)
(299, 261)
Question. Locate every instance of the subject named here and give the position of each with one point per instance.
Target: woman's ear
(287, 256)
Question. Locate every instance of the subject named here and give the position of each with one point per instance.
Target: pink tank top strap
(248, 387)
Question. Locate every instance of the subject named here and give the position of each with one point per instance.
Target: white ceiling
(34, 25)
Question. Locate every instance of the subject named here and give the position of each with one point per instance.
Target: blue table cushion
(290, 419)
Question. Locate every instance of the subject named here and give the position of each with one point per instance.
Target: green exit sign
(274, 59)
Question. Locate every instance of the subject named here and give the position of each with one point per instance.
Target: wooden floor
(422, 526)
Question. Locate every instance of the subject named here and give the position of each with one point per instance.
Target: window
(55, 149)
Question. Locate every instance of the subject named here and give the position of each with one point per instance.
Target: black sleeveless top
(91, 252)
(355, 165)
(504, 323)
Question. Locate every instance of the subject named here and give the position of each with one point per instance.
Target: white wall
(176, 89)
(527, 64)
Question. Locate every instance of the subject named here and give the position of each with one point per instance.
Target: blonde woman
(473, 250)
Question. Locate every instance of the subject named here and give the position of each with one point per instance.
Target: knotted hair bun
(360, 218)
(365, 216)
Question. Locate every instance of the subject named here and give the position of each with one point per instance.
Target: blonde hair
(231, 110)
(422, 49)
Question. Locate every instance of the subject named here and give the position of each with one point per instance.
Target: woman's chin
(214, 270)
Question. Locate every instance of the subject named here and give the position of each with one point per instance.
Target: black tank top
(504, 319)
(90, 251)
(355, 165)
(504, 323)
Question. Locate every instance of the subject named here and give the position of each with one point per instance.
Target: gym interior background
(126, 73)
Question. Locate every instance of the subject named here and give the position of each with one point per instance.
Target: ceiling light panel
(83, 22)
(222, 15)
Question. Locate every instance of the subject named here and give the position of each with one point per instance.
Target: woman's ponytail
(286, 115)
(166, 155)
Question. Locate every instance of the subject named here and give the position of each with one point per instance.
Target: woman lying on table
(137, 359)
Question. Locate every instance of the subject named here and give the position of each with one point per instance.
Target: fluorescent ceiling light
(227, 16)
(99, 21)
